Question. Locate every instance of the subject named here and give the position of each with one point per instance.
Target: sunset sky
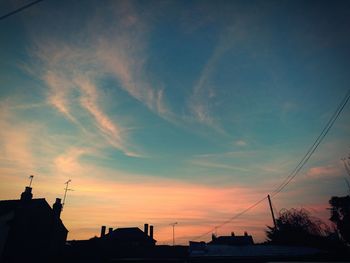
(173, 111)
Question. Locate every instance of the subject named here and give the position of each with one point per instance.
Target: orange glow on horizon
(197, 208)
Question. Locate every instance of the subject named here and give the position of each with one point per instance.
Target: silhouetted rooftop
(128, 234)
(32, 231)
(232, 240)
(33, 207)
(7, 206)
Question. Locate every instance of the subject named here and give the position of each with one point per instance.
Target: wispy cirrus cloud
(219, 165)
(204, 92)
(58, 93)
(126, 59)
(124, 52)
(72, 72)
(204, 100)
(88, 100)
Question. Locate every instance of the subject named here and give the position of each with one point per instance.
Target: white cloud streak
(70, 68)
(88, 100)
(58, 94)
(204, 92)
(124, 54)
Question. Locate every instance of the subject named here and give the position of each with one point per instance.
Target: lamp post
(173, 225)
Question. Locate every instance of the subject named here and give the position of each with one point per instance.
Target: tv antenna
(66, 189)
(30, 180)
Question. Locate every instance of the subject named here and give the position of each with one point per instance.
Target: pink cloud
(323, 171)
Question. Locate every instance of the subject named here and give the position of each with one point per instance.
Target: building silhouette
(123, 242)
(232, 240)
(30, 230)
(128, 237)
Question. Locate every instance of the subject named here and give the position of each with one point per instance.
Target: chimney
(245, 233)
(110, 230)
(27, 194)
(103, 231)
(232, 234)
(146, 229)
(151, 232)
(57, 208)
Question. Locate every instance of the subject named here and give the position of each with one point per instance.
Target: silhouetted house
(129, 237)
(30, 230)
(232, 240)
(118, 243)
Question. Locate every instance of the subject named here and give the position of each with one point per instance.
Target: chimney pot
(110, 230)
(103, 231)
(27, 194)
(146, 229)
(151, 232)
(57, 208)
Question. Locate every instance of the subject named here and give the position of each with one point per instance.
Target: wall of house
(32, 235)
(4, 230)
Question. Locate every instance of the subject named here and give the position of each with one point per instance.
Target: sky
(173, 111)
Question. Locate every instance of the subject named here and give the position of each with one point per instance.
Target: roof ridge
(41, 198)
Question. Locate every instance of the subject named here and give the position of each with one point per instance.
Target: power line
(315, 145)
(232, 218)
(20, 9)
(299, 166)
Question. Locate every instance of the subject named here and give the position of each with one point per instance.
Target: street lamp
(173, 225)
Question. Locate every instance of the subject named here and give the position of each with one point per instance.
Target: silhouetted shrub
(297, 227)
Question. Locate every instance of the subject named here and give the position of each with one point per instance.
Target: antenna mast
(65, 192)
(30, 180)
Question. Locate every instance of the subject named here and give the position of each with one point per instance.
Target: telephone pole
(272, 214)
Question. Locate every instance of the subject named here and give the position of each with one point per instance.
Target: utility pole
(173, 225)
(272, 214)
(31, 180)
(65, 192)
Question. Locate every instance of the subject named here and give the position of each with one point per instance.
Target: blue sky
(221, 98)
